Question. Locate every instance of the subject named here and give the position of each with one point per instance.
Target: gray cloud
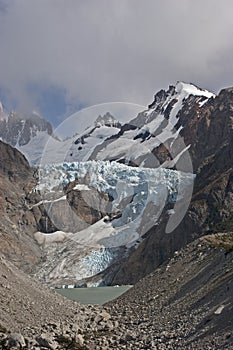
(101, 51)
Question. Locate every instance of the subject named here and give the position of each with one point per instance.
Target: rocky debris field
(185, 304)
(35, 317)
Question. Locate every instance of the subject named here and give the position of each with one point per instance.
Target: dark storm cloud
(100, 51)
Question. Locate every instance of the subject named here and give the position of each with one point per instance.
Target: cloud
(102, 51)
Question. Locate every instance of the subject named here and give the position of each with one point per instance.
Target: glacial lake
(93, 295)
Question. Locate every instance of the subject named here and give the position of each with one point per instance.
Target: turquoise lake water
(93, 295)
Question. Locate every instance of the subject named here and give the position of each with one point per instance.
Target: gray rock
(46, 341)
(16, 339)
(80, 339)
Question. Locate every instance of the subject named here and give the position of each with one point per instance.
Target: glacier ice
(139, 194)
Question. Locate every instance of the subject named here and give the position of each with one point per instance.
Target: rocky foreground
(187, 303)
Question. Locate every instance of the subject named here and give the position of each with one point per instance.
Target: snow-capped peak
(179, 91)
(161, 123)
(19, 129)
(191, 89)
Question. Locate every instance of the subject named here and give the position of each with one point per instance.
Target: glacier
(139, 196)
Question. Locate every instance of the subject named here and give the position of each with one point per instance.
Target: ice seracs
(137, 198)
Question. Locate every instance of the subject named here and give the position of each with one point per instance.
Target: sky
(59, 56)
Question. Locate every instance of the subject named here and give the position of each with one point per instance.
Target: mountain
(79, 146)
(34, 136)
(152, 138)
(109, 216)
(122, 210)
(18, 130)
(29, 133)
(184, 125)
(209, 131)
(144, 141)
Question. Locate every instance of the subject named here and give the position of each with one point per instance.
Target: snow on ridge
(191, 89)
(182, 92)
(155, 125)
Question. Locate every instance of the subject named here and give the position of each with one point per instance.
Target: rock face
(17, 222)
(29, 133)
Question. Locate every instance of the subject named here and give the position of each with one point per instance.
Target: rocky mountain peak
(18, 129)
(179, 90)
(107, 120)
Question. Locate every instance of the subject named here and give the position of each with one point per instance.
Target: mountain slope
(45, 148)
(186, 303)
(141, 140)
(17, 222)
(209, 131)
(82, 146)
